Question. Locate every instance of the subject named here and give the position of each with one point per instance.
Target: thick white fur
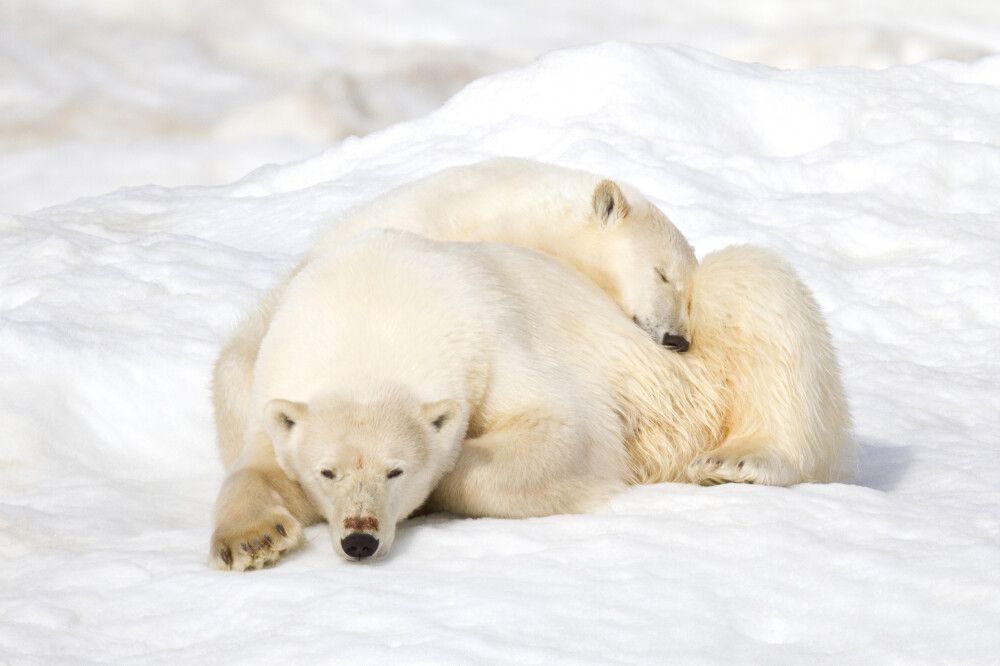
(562, 399)
(607, 231)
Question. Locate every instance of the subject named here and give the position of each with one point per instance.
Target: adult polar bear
(490, 380)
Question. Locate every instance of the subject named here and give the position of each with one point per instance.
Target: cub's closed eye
(393, 473)
(663, 276)
(328, 473)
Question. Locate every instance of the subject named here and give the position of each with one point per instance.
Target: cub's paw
(257, 544)
(722, 467)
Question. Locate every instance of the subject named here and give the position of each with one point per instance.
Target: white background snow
(881, 185)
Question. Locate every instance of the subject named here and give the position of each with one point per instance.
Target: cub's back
(498, 200)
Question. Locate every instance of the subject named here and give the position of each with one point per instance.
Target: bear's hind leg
(743, 461)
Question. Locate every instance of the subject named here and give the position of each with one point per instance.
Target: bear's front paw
(256, 545)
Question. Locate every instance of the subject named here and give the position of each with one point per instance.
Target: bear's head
(647, 262)
(366, 466)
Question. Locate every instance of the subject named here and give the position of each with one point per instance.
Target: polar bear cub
(606, 230)
(488, 380)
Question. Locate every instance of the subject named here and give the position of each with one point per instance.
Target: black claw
(280, 529)
(226, 555)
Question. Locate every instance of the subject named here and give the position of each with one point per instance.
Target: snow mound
(194, 92)
(879, 186)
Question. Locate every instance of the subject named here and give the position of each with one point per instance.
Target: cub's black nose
(359, 545)
(675, 342)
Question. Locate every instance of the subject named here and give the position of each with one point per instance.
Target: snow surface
(881, 186)
(98, 94)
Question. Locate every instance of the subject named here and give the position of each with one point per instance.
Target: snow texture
(881, 186)
(99, 94)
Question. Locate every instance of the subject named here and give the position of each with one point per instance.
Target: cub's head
(366, 466)
(648, 262)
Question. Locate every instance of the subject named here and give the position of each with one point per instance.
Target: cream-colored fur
(607, 231)
(379, 329)
(555, 399)
(762, 384)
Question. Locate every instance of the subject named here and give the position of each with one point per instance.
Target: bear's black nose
(359, 545)
(675, 342)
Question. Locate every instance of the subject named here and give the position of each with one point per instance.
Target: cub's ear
(609, 204)
(281, 417)
(441, 416)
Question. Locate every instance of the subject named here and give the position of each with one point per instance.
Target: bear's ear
(441, 416)
(281, 417)
(609, 204)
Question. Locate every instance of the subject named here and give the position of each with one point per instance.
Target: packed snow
(881, 186)
(100, 94)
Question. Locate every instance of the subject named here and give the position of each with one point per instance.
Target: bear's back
(388, 306)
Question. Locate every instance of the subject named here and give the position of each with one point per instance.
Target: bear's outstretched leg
(534, 464)
(260, 514)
